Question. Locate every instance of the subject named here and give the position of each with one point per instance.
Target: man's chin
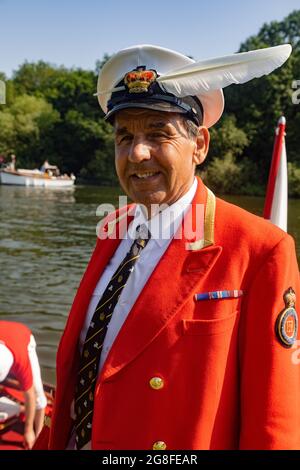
(150, 199)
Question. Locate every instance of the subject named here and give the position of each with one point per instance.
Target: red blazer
(226, 380)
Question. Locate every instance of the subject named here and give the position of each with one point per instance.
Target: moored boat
(46, 179)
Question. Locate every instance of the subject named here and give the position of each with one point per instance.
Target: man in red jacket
(183, 332)
(18, 358)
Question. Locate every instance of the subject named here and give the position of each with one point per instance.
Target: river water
(46, 239)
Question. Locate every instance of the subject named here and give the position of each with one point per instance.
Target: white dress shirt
(162, 227)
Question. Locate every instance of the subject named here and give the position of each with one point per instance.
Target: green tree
(7, 133)
(222, 172)
(24, 127)
(226, 138)
(64, 89)
(258, 104)
(77, 139)
(102, 167)
(294, 180)
(78, 134)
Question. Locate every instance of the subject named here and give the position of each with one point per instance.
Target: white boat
(46, 179)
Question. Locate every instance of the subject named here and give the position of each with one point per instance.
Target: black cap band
(155, 98)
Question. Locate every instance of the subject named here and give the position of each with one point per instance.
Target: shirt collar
(165, 223)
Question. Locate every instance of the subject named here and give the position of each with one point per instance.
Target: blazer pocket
(217, 309)
(208, 327)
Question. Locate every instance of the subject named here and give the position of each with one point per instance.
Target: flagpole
(275, 208)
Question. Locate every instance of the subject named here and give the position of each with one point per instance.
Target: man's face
(154, 155)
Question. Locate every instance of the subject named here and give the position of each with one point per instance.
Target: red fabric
(43, 438)
(16, 337)
(228, 382)
(274, 170)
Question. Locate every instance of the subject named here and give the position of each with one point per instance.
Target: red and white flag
(276, 202)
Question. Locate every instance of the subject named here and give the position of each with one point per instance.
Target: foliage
(227, 138)
(223, 175)
(258, 104)
(25, 128)
(294, 180)
(221, 172)
(102, 166)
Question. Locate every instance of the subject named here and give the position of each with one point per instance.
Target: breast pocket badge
(287, 321)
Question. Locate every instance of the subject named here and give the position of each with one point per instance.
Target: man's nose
(139, 151)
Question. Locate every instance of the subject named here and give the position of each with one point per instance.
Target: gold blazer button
(159, 445)
(156, 383)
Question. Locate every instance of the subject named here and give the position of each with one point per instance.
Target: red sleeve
(270, 371)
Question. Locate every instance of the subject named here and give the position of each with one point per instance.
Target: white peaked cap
(182, 76)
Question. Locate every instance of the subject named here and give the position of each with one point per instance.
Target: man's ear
(201, 145)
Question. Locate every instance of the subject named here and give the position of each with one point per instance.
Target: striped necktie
(91, 351)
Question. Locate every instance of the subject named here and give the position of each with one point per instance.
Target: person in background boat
(12, 165)
(18, 358)
(51, 170)
(183, 331)
(45, 166)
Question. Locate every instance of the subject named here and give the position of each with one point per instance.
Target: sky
(77, 33)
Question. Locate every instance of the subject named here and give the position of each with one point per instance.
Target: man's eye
(125, 138)
(157, 135)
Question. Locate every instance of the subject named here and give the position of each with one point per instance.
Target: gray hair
(191, 128)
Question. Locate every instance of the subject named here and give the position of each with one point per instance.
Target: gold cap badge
(139, 80)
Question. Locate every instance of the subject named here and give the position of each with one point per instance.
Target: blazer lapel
(104, 250)
(189, 261)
